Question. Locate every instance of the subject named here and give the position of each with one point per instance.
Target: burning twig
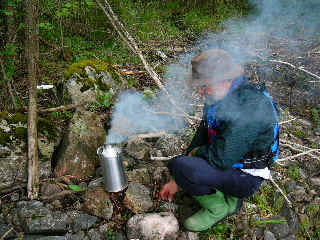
(301, 68)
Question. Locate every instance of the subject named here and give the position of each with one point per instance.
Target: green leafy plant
(105, 99)
(316, 116)
(294, 172)
(76, 188)
(266, 221)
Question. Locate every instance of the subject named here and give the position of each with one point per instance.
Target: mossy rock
(87, 82)
(17, 122)
(4, 137)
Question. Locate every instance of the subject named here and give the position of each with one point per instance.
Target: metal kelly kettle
(115, 179)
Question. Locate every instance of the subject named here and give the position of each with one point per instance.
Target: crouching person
(234, 146)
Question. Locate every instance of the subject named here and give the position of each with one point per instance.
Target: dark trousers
(197, 177)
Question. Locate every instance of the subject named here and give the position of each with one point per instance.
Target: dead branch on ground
(280, 190)
(298, 155)
(61, 108)
(58, 195)
(162, 158)
(301, 68)
(287, 121)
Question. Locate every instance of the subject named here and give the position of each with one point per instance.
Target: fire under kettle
(115, 179)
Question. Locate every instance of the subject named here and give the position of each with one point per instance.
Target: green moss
(313, 209)
(21, 133)
(87, 83)
(294, 172)
(4, 137)
(299, 133)
(47, 127)
(17, 117)
(264, 199)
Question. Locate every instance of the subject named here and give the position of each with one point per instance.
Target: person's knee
(177, 163)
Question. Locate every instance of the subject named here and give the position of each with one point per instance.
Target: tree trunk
(32, 56)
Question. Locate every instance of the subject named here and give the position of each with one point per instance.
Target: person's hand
(169, 190)
(193, 152)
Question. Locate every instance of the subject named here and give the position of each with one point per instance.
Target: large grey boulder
(77, 154)
(34, 218)
(153, 226)
(13, 154)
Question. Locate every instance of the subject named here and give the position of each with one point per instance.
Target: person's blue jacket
(246, 121)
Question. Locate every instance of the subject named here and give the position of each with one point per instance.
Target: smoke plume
(288, 21)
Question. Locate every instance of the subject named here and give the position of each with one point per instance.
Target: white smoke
(244, 39)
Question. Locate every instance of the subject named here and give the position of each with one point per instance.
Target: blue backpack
(272, 154)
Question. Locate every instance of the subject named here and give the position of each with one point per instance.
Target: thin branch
(162, 158)
(297, 155)
(61, 108)
(287, 121)
(299, 150)
(301, 68)
(13, 188)
(148, 135)
(280, 190)
(296, 144)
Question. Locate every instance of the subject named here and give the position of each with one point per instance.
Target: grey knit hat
(213, 66)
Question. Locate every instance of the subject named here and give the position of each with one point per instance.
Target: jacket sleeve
(200, 138)
(235, 140)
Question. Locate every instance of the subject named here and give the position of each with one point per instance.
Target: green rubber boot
(234, 204)
(215, 209)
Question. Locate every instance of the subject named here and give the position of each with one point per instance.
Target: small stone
(269, 236)
(138, 148)
(96, 183)
(5, 229)
(98, 203)
(56, 204)
(95, 235)
(82, 221)
(290, 186)
(140, 175)
(14, 197)
(153, 226)
(138, 198)
(302, 174)
(280, 229)
(188, 236)
(48, 190)
(315, 181)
